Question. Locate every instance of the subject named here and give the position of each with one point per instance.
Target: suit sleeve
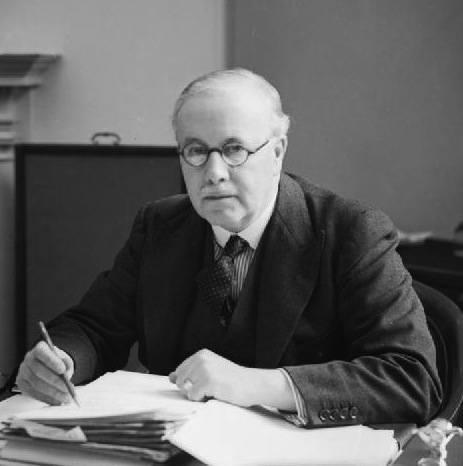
(99, 331)
(389, 371)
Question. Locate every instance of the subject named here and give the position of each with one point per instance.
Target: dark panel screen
(75, 208)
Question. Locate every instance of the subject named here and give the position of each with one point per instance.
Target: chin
(229, 223)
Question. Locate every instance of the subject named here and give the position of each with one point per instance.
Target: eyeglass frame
(220, 151)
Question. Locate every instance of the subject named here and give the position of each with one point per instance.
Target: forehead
(217, 115)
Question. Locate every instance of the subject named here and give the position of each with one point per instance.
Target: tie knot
(235, 245)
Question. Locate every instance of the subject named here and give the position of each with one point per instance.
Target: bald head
(236, 80)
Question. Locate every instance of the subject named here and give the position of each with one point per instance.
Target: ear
(280, 151)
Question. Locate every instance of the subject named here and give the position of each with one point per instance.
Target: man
(319, 318)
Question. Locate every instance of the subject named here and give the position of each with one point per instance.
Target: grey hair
(217, 80)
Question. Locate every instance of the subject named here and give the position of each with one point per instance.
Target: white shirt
(253, 233)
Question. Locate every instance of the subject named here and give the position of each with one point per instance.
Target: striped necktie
(215, 281)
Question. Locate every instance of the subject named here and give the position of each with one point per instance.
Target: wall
(123, 64)
(375, 92)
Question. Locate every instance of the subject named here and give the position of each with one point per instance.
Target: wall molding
(19, 73)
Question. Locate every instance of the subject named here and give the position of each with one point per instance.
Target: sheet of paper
(119, 393)
(41, 431)
(46, 453)
(18, 404)
(225, 435)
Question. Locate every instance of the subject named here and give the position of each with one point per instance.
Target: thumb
(68, 362)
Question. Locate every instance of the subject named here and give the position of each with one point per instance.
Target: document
(215, 432)
(123, 420)
(226, 435)
(116, 395)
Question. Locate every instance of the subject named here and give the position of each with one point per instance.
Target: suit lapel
(179, 255)
(289, 273)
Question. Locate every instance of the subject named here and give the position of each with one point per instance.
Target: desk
(437, 263)
(413, 451)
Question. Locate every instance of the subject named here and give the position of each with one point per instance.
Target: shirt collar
(253, 233)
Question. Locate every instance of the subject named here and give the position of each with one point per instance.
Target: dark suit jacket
(336, 307)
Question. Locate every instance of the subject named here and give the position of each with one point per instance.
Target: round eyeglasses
(232, 153)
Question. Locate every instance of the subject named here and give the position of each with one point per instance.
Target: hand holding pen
(69, 385)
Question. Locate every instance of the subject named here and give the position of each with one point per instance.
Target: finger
(173, 377)
(36, 371)
(51, 390)
(199, 392)
(38, 386)
(45, 380)
(49, 358)
(192, 369)
(68, 361)
(187, 385)
(185, 371)
(57, 360)
(185, 366)
(50, 398)
(184, 386)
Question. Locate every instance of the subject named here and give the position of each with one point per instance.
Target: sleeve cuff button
(324, 415)
(353, 412)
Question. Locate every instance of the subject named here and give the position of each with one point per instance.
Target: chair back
(445, 321)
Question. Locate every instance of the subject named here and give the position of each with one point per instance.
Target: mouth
(217, 197)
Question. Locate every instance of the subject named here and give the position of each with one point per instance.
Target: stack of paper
(138, 435)
(124, 420)
(225, 435)
(129, 418)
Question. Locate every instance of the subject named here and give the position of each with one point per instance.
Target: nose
(216, 170)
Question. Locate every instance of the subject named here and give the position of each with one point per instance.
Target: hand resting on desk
(205, 374)
(40, 371)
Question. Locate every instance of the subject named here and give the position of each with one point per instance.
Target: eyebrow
(192, 140)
